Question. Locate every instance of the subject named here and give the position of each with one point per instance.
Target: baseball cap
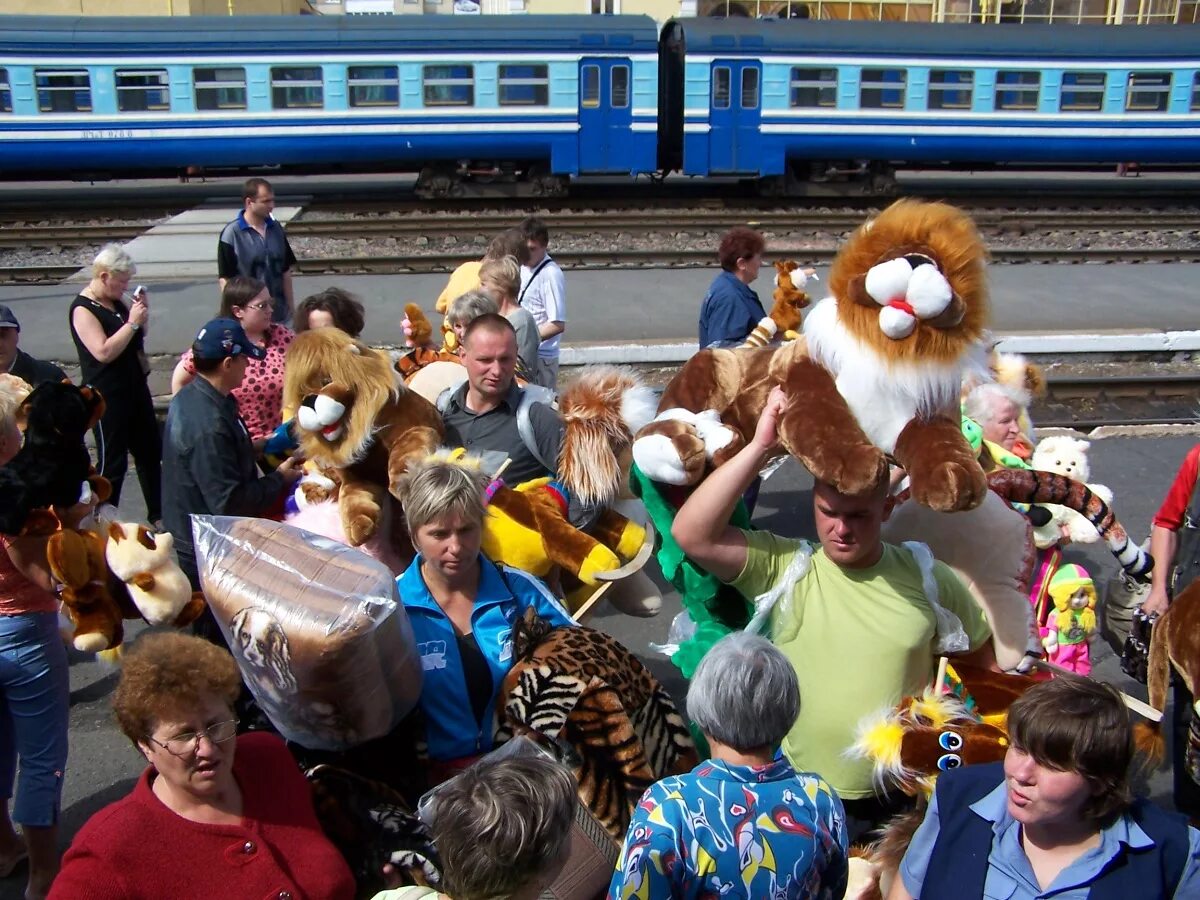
(224, 337)
(7, 319)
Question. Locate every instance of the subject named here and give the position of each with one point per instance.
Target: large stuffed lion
(877, 374)
(356, 421)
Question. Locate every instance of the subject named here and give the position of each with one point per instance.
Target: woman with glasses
(214, 814)
(260, 396)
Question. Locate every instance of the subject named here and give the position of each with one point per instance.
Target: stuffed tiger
(590, 700)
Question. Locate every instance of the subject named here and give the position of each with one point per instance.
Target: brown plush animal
(144, 562)
(1174, 643)
(417, 330)
(355, 417)
(76, 560)
(878, 374)
(790, 299)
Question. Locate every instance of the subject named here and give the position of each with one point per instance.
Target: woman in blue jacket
(462, 609)
(731, 309)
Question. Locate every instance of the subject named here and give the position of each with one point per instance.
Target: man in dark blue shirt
(256, 245)
(209, 465)
(731, 309)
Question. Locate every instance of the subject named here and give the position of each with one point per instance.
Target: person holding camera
(110, 335)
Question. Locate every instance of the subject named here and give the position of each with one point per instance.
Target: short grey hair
(979, 402)
(112, 258)
(502, 823)
(466, 308)
(438, 487)
(744, 693)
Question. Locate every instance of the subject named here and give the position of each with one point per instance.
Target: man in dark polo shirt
(256, 245)
(484, 414)
(15, 361)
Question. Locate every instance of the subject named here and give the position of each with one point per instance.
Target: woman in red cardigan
(214, 815)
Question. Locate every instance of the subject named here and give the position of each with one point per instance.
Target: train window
(63, 90)
(450, 85)
(374, 85)
(220, 88)
(749, 88)
(882, 88)
(1148, 91)
(1017, 90)
(720, 87)
(5, 92)
(297, 87)
(619, 76)
(525, 85)
(1082, 92)
(143, 90)
(590, 88)
(950, 88)
(813, 87)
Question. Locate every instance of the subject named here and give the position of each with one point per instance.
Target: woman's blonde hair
(466, 308)
(440, 486)
(504, 272)
(112, 258)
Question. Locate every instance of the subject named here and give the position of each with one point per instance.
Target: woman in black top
(109, 337)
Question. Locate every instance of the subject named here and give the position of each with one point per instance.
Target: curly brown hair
(344, 307)
(739, 243)
(166, 673)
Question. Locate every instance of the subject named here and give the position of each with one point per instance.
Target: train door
(733, 115)
(605, 114)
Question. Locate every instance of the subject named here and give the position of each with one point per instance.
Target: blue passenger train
(539, 100)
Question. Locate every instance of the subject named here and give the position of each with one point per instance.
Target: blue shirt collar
(745, 289)
(776, 770)
(1124, 831)
(414, 592)
(245, 226)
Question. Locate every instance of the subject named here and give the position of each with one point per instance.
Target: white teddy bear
(1066, 456)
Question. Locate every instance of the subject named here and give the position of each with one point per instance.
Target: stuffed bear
(76, 560)
(143, 560)
(1067, 456)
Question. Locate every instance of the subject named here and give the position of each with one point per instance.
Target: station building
(1113, 12)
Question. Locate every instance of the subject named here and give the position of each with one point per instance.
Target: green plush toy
(715, 608)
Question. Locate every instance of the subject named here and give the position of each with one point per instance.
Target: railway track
(424, 263)
(1089, 402)
(617, 222)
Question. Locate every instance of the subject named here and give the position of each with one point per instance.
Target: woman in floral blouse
(260, 398)
(743, 824)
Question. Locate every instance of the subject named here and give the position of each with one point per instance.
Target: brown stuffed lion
(356, 420)
(877, 374)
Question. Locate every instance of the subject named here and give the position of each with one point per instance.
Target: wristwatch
(135, 326)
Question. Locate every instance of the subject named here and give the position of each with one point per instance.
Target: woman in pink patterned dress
(260, 398)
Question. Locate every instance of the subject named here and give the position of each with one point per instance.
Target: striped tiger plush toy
(589, 700)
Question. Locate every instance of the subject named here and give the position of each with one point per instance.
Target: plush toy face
(135, 548)
(337, 386)
(911, 283)
(1063, 455)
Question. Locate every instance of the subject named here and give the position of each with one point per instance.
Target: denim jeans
(35, 697)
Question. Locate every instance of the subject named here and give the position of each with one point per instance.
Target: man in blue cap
(209, 465)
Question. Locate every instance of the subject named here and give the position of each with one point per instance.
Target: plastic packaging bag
(316, 628)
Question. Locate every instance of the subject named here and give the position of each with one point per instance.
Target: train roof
(336, 34)
(806, 36)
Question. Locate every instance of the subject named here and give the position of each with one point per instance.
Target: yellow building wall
(150, 7)
(659, 10)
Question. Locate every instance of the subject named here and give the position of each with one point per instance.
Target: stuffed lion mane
(357, 421)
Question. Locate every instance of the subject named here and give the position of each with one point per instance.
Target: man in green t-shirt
(860, 626)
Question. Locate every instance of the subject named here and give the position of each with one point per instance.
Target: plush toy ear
(115, 532)
(95, 402)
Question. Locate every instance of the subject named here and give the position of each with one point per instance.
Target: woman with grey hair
(462, 609)
(997, 408)
(109, 334)
(743, 823)
(466, 308)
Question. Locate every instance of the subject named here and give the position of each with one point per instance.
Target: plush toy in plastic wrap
(316, 628)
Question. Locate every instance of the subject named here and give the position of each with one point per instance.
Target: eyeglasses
(189, 742)
(261, 307)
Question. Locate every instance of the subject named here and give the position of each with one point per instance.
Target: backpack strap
(531, 394)
(443, 400)
(532, 275)
(950, 635)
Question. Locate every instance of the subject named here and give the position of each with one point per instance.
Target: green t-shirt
(860, 639)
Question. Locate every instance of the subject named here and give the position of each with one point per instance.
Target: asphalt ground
(103, 766)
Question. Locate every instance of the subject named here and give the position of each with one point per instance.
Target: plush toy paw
(947, 485)
(670, 452)
(856, 470)
(360, 517)
(636, 595)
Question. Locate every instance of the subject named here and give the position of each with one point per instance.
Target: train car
(538, 99)
(792, 101)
